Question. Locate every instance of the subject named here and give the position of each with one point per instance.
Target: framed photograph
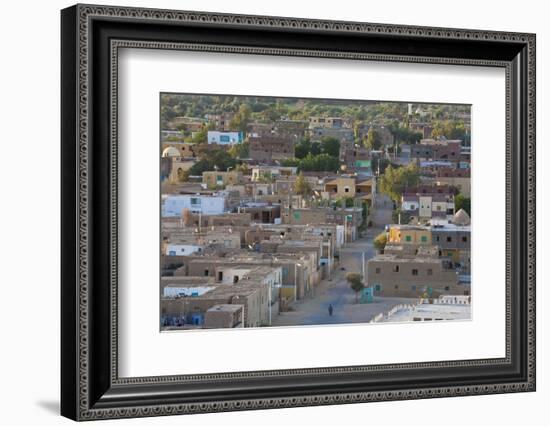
(265, 212)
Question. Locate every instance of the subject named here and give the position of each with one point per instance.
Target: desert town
(288, 212)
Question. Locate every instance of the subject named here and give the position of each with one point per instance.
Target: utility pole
(289, 205)
(345, 228)
(270, 300)
(329, 256)
(296, 280)
(363, 266)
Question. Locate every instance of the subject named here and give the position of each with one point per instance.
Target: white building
(425, 209)
(340, 231)
(183, 249)
(409, 202)
(271, 276)
(174, 291)
(173, 205)
(274, 277)
(230, 275)
(429, 205)
(225, 138)
(434, 312)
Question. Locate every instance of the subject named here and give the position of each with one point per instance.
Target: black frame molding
(91, 37)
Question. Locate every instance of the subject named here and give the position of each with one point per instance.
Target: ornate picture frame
(90, 39)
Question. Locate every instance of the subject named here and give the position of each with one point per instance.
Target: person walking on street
(330, 309)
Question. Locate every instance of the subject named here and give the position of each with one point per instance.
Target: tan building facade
(190, 311)
(224, 316)
(341, 187)
(462, 183)
(178, 166)
(415, 276)
(267, 149)
(409, 234)
(221, 179)
(394, 277)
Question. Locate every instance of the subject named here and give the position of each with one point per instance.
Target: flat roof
(431, 312)
(450, 227)
(188, 281)
(410, 227)
(404, 259)
(225, 291)
(225, 308)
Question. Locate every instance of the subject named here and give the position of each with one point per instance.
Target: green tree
(212, 159)
(259, 106)
(395, 181)
(265, 177)
(330, 146)
(240, 150)
(373, 140)
(380, 241)
(302, 186)
(314, 163)
(199, 167)
(450, 129)
(378, 164)
(241, 119)
(272, 114)
(315, 148)
(364, 211)
(454, 189)
(200, 136)
(321, 162)
(221, 159)
(462, 202)
(404, 134)
(345, 202)
(291, 162)
(389, 183)
(303, 148)
(355, 282)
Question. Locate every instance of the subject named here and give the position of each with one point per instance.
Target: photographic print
(305, 183)
(291, 212)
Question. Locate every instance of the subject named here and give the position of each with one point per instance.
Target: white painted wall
(173, 205)
(223, 138)
(182, 249)
(339, 235)
(228, 273)
(409, 205)
(425, 206)
(274, 278)
(30, 82)
(185, 291)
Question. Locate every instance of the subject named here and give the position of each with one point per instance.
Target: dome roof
(171, 152)
(461, 218)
